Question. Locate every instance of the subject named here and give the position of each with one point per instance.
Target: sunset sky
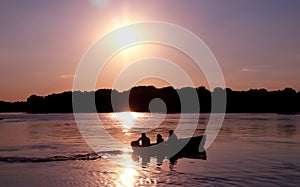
(257, 43)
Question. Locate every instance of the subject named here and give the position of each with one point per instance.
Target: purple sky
(256, 43)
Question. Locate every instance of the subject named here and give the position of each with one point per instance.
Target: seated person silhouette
(159, 139)
(145, 140)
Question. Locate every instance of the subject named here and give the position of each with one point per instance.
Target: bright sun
(125, 35)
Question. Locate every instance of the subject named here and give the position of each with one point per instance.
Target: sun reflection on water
(127, 119)
(128, 175)
(131, 173)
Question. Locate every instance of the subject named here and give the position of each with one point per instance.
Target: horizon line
(60, 92)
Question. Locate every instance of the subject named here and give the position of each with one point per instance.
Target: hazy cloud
(67, 76)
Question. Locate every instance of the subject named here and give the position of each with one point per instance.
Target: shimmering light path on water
(251, 149)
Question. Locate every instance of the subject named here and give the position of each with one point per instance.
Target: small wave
(42, 147)
(253, 119)
(27, 147)
(89, 156)
(115, 152)
(8, 149)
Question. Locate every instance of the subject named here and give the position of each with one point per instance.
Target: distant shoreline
(9, 113)
(286, 101)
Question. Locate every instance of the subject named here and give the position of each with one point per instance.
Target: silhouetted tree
(285, 101)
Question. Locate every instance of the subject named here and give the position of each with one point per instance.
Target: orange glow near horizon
(126, 60)
(40, 51)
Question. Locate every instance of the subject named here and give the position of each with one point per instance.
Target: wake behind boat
(181, 148)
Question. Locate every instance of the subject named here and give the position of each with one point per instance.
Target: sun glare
(127, 119)
(126, 35)
(128, 177)
(117, 23)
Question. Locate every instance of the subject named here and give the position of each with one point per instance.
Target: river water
(49, 150)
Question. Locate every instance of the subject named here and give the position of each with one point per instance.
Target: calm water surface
(48, 150)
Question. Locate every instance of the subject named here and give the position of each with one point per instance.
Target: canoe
(182, 148)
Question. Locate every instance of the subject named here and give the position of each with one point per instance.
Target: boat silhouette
(192, 147)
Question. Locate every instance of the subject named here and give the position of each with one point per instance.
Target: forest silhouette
(286, 101)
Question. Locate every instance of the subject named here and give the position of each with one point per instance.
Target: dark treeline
(13, 106)
(252, 101)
